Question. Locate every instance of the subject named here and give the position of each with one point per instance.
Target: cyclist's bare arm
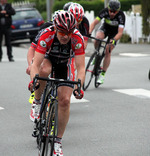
(93, 24)
(116, 38)
(119, 34)
(38, 58)
(30, 56)
(80, 66)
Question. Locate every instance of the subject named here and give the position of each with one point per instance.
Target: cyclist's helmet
(77, 10)
(65, 21)
(66, 6)
(114, 5)
(56, 13)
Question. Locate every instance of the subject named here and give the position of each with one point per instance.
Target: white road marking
(74, 100)
(141, 93)
(1, 108)
(133, 54)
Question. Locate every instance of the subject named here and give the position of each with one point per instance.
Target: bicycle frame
(95, 70)
(46, 128)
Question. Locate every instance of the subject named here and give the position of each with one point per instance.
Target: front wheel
(89, 71)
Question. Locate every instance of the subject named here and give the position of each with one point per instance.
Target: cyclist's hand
(110, 45)
(113, 42)
(76, 94)
(89, 35)
(30, 86)
(28, 70)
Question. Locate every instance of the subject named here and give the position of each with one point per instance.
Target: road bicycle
(93, 67)
(46, 128)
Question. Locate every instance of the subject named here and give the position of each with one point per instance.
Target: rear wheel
(89, 71)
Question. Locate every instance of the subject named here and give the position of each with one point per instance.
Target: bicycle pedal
(34, 135)
(98, 84)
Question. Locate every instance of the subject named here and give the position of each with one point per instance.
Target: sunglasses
(112, 11)
(64, 33)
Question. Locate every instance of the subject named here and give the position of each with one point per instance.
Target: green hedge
(95, 5)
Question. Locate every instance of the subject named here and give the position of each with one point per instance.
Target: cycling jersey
(45, 43)
(61, 54)
(110, 26)
(45, 25)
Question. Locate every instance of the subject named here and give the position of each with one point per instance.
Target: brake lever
(78, 88)
(35, 82)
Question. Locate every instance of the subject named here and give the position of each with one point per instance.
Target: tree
(146, 17)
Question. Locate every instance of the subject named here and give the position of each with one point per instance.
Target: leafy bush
(125, 38)
(95, 5)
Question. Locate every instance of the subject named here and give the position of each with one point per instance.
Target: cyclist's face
(112, 14)
(63, 37)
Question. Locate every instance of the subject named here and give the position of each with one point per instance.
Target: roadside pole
(106, 3)
(49, 4)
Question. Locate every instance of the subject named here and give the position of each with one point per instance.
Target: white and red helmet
(65, 21)
(77, 10)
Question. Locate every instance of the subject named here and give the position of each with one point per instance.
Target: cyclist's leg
(64, 71)
(45, 70)
(100, 34)
(106, 61)
(64, 95)
(109, 48)
(107, 57)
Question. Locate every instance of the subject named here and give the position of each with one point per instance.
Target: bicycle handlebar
(57, 81)
(104, 41)
(92, 37)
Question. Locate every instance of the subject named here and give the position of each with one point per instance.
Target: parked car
(26, 23)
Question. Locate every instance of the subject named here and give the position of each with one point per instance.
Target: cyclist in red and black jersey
(112, 27)
(63, 45)
(82, 22)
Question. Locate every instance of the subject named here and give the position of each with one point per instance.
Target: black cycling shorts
(109, 31)
(60, 70)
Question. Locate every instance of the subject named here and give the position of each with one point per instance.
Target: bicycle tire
(89, 72)
(149, 75)
(46, 144)
(42, 139)
(54, 123)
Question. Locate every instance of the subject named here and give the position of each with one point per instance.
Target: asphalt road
(112, 120)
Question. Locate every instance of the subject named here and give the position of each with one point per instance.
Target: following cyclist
(57, 46)
(113, 26)
(82, 22)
